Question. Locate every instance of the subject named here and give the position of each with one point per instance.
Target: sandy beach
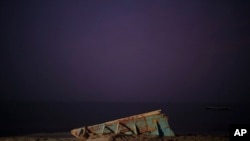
(68, 137)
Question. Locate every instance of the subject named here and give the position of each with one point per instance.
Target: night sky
(77, 50)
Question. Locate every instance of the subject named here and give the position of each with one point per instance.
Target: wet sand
(68, 137)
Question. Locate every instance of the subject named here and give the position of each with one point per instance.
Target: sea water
(20, 118)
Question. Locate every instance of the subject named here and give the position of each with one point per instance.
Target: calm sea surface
(19, 118)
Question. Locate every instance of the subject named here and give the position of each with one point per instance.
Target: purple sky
(125, 50)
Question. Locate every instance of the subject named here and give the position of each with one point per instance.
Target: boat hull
(151, 123)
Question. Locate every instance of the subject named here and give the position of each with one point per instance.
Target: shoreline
(69, 137)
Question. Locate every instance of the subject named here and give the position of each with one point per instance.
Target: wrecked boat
(152, 123)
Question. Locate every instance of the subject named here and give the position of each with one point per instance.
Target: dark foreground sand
(68, 137)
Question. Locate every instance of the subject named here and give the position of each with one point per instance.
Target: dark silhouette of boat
(218, 108)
